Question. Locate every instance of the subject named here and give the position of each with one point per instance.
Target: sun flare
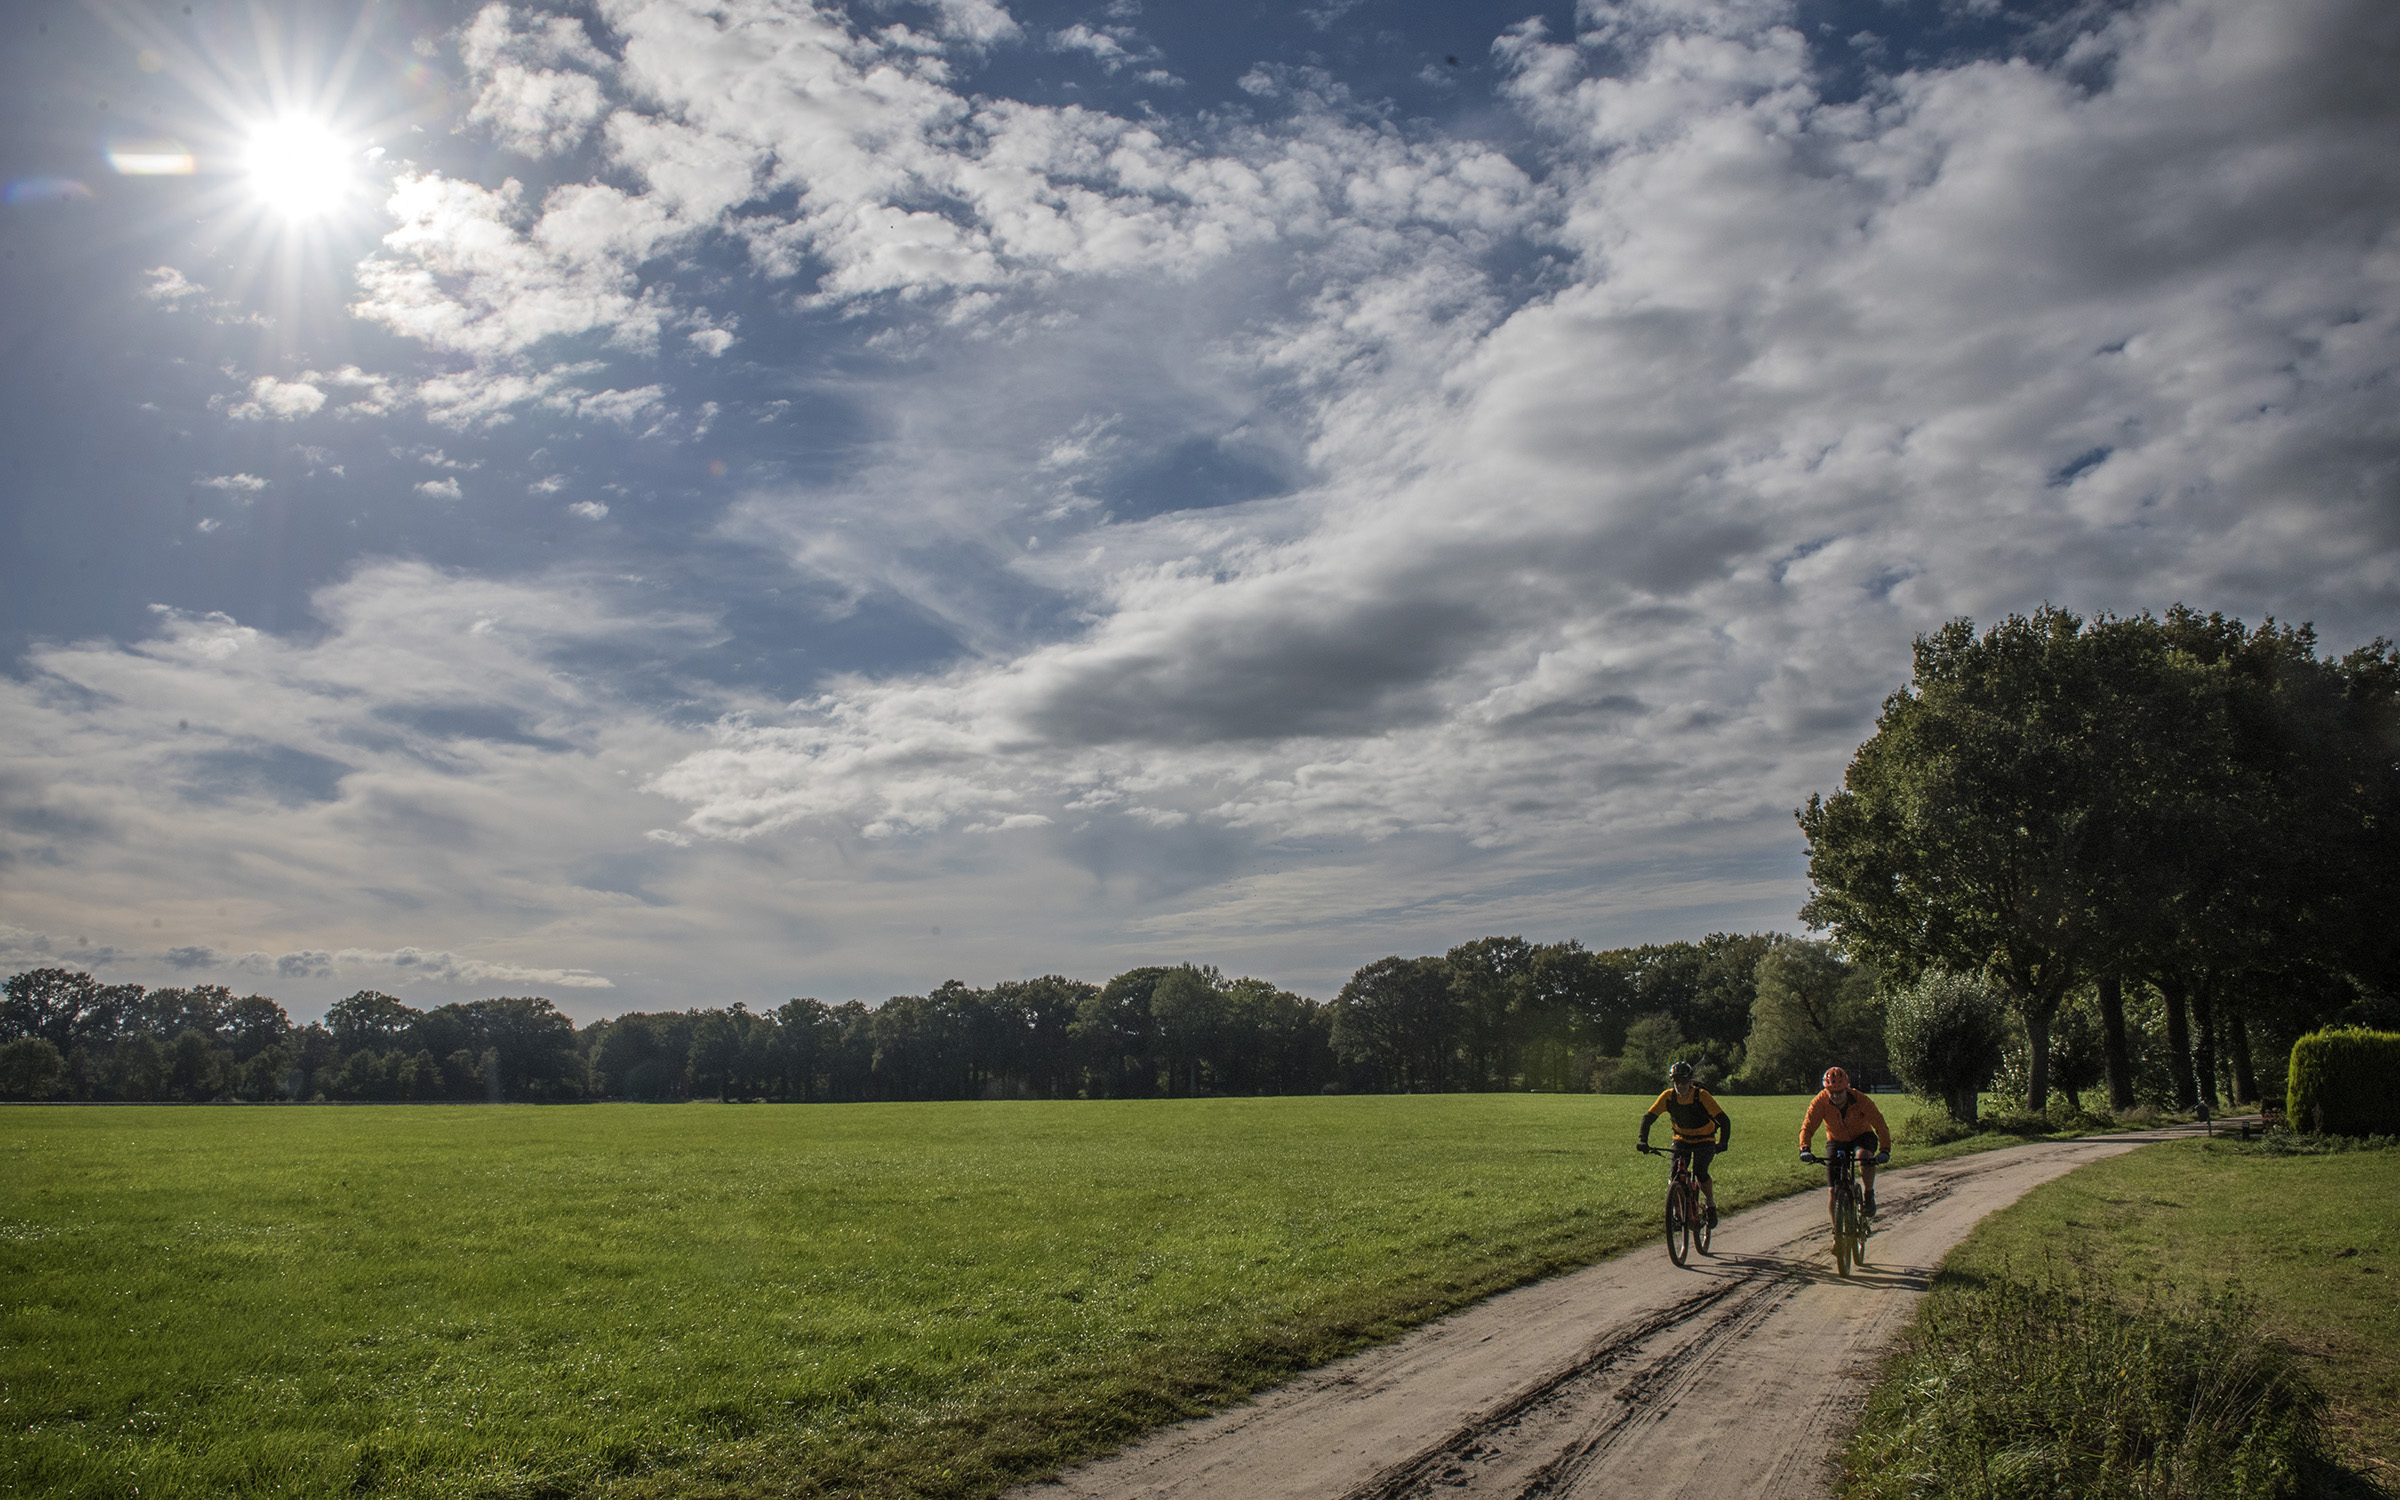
(299, 168)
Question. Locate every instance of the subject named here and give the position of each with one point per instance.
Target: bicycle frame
(1687, 1223)
(1850, 1223)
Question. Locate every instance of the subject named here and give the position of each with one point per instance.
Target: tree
(1945, 1031)
(69, 1010)
(1499, 1007)
(30, 1068)
(143, 1068)
(1651, 1046)
(1190, 1014)
(1967, 833)
(529, 1049)
(1118, 1038)
(369, 1018)
(715, 1059)
(254, 1023)
(1393, 1022)
(1813, 1009)
(199, 1065)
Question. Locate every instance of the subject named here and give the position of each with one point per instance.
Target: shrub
(30, 1068)
(1927, 1129)
(2013, 1389)
(2345, 1082)
(1944, 1033)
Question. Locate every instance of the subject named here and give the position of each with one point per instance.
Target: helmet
(1680, 1073)
(1835, 1078)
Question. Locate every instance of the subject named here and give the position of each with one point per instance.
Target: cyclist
(1701, 1127)
(1849, 1117)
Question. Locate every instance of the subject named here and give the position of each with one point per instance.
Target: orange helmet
(1835, 1078)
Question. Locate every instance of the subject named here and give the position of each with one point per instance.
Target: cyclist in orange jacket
(1700, 1126)
(1849, 1117)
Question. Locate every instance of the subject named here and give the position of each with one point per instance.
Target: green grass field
(2314, 1241)
(708, 1299)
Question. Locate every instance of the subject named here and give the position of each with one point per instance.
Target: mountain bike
(1688, 1228)
(1851, 1226)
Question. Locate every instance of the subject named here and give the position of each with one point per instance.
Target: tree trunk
(2037, 1073)
(2179, 1044)
(2237, 1036)
(2112, 1034)
(1962, 1104)
(2204, 1043)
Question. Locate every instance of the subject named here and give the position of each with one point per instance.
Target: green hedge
(2346, 1082)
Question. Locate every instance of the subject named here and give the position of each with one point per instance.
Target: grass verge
(2197, 1319)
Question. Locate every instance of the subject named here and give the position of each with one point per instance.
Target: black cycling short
(1836, 1152)
(1700, 1152)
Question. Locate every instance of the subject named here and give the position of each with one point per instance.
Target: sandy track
(1734, 1376)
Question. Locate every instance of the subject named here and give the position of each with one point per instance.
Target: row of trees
(1754, 1011)
(66, 1034)
(2181, 813)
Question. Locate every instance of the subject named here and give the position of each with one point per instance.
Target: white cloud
(978, 23)
(529, 106)
(624, 408)
(245, 484)
(590, 510)
(902, 185)
(538, 111)
(450, 969)
(1107, 46)
(438, 489)
(168, 285)
(278, 400)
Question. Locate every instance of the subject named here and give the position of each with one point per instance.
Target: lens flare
(299, 168)
(150, 158)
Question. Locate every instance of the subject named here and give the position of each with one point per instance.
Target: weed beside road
(2195, 1319)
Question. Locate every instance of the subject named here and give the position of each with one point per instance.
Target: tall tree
(1964, 834)
(1190, 1013)
(1394, 1023)
(1813, 1009)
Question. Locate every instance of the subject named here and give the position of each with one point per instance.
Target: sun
(300, 168)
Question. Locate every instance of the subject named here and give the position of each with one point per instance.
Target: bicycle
(1687, 1218)
(1851, 1226)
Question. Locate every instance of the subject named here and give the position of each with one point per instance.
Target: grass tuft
(2048, 1386)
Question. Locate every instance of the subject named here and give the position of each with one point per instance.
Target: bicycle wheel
(1845, 1236)
(1678, 1227)
(1701, 1228)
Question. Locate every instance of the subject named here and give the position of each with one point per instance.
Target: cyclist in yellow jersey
(1701, 1127)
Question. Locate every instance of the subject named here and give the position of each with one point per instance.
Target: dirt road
(1733, 1377)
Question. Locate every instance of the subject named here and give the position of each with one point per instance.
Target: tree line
(2161, 848)
(1499, 1013)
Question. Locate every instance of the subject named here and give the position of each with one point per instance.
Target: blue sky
(657, 504)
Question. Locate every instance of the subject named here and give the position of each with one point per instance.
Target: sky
(657, 503)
